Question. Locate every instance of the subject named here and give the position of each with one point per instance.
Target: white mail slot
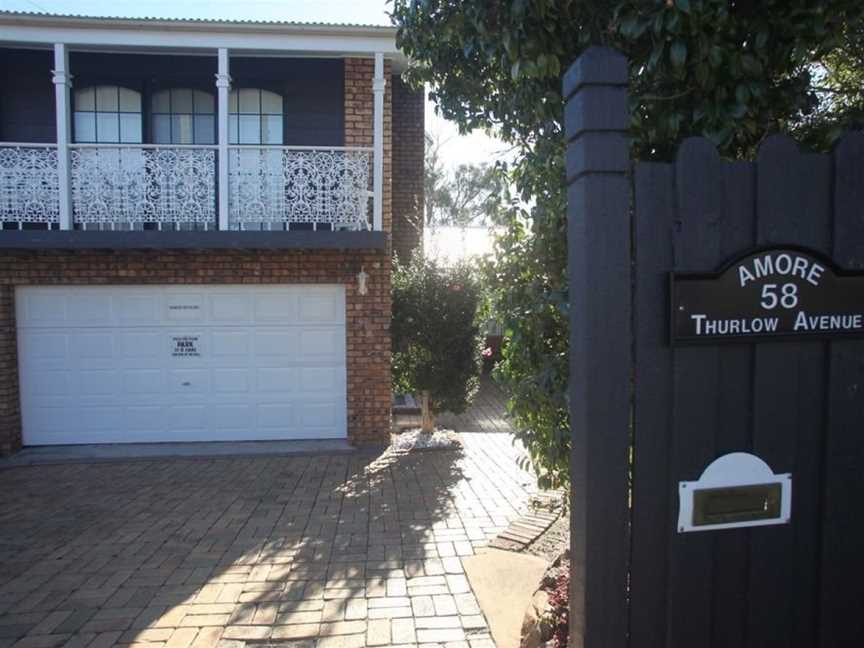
(735, 490)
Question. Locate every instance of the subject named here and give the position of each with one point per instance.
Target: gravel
(416, 439)
(554, 540)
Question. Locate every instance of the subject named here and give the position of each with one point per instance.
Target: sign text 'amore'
(772, 293)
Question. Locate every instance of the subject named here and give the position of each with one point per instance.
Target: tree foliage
(464, 196)
(436, 341)
(731, 70)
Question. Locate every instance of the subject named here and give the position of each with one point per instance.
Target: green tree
(731, 70)
(468, 195)
(436, 197)
(436, 342)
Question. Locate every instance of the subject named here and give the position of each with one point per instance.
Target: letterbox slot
(736, 504)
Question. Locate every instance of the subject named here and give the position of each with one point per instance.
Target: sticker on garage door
(185, 346)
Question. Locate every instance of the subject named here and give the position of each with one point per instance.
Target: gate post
(599, 258)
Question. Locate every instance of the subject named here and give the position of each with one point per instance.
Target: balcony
(149, 186)
(196, 134)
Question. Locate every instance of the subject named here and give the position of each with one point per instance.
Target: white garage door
(131, 364)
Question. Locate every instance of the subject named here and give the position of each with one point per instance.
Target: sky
(471, 149)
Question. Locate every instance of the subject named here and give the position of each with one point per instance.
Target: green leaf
(515, 70)
(627, 27)
(656, 55)
(715, 56)
(678, 53)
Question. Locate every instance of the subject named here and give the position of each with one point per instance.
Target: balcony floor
(189, 240)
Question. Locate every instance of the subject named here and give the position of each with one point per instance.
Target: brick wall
(10, 415)
(367, 317)
(408, 151)
(359, 109)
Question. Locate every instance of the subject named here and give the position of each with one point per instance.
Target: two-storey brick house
(196, 227)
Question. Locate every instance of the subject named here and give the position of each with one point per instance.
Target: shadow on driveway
(344, 549)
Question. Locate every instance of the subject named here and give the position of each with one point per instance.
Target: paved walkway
(486, 414)
(331, 551)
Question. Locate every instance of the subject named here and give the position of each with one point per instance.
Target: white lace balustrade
(271, 187)
(127, 186)
(29, 184)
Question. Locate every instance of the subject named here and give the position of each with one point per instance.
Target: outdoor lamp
(362, 276)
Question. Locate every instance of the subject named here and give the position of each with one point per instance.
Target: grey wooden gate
(647, 414)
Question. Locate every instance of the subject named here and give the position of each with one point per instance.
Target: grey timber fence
(650, 412)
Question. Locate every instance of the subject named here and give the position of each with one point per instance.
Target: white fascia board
(240, 38)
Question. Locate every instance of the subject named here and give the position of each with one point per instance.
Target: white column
(379, 83)
(62, 82)
(223, 85)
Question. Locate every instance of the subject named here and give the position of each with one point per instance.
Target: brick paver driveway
(330, 551)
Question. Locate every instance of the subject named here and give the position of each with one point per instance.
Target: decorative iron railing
(119, 186)
(275, 187)
(29, 184)
(144, 186)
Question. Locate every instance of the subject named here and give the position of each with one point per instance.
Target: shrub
(731, 71)
(436, 340)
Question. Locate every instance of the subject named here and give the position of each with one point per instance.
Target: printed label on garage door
(185, 346)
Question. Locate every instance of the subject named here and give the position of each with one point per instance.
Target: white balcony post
(223, 85)
(379, 83)
(62, 82)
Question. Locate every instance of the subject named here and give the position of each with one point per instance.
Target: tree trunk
(427, 418)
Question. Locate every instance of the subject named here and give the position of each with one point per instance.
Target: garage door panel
(321, 379)
(184, 306)
(88, 308)
(231, 381)
(275, 306)
(98, 383)
(145, 420)
(276, 416)
(52, 420)
(138, 308)
(316, 415)
(41, 307)
(322, 345)
(234, 307)
(102, 419)
(86, 346)
(44, 349)
(323, 308)
(231, 416)
(230, 344)
(36, 382)
(280, 344)
(114, 364)
(138, 344)
(280, 380)
(188, 381)
(186, 417)
(143, 382)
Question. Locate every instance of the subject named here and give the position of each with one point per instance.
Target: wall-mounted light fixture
(362, 277)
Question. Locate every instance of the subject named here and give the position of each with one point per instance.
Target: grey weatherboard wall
(799, 405)
(313, 89)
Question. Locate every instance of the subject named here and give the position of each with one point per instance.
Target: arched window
(254, 117)
(183, 116)
(108, 114)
